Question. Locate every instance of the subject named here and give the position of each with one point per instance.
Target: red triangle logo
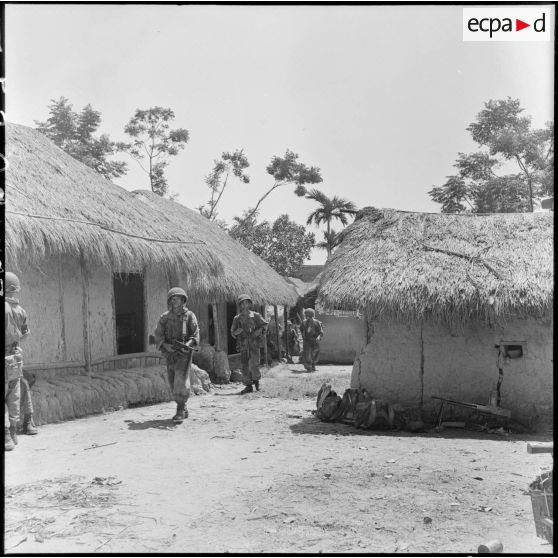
(519, 25)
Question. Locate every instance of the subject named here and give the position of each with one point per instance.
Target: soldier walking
(312, 332)
(248, 328)
(177, 334)
(16, 328)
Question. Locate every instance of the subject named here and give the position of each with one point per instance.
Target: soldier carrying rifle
(177, 335)
(248, 328)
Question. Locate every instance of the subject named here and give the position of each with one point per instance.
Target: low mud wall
(70, 397)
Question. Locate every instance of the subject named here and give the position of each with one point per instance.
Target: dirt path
(259, 473)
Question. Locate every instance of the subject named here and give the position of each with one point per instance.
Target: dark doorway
(231, 341)
(211, 325)
(129, 309)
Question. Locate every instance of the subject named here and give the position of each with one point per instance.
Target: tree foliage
(153, 139)
(217, 179)
(284, 245)
(329, 210)
(75, 134)
(285, 171)
(505, 138)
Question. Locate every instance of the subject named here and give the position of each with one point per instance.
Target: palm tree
(328, 210)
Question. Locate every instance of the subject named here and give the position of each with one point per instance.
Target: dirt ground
(260, 473)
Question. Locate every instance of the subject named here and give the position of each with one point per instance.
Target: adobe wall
(102, 324)
(344, 338)
(45, 300)
(409, 364)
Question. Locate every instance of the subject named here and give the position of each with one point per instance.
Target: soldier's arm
(194, 330)
(234, 328)
(261, 324)
(24, 327)
(159, 334)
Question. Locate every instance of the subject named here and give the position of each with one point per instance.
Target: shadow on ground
(165, 424)
(313, 425)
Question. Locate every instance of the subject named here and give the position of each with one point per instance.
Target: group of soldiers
(177, 336)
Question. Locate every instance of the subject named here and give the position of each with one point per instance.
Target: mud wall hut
(96, 262)
(453, 304)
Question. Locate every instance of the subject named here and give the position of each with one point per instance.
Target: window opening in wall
(211, 325)
(512, 351)
(129, 312)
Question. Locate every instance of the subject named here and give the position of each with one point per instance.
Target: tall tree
(505, 138)
(284, 245)
(285, 171)
(328, 210)
(74, 133)
(218, 178)
(153, 139)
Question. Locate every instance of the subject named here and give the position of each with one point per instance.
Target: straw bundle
(57, 205)
(449, 268)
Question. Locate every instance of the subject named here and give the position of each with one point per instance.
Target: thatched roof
(412, 266)
(243, 271)
(56, 205)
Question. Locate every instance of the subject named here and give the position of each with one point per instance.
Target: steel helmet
(12, 283)
(242, 298)
(177, 291)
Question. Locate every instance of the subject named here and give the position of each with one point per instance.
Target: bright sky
(377, 97)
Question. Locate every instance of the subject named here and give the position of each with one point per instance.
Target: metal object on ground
(487, 409)
(491, 547)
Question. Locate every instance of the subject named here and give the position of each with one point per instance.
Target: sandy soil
(259, 473)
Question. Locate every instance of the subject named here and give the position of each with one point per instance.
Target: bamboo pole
(277, 336)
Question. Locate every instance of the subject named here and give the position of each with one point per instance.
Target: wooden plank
(540, 447)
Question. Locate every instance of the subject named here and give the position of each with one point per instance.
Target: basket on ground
(541, 494)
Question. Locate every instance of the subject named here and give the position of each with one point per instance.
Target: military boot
(247, 389)
(29, 426)
(257, 385)
(13, 433)
(180, 413)
(8, 442)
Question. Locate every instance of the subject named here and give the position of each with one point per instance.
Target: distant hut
(96, 262)
(453, 303)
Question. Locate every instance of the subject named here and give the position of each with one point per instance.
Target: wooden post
(216, 327)
(286, 319)
(85, 312)
(277, 336)
(265, 340)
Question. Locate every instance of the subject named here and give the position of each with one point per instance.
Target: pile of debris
(357, 407)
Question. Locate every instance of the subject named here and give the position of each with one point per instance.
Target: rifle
(184, 348)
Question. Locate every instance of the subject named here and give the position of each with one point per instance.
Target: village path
(260, 473)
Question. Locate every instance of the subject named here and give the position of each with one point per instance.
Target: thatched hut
(96, 262)
(453, 304)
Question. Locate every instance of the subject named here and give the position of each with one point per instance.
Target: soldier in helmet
(248, 328)
(312, 332)
(178, 324)
(16, 328)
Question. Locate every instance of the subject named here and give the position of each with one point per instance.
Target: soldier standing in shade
(312, 332)
(16, 329)
(248, 328)
(178, 324)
